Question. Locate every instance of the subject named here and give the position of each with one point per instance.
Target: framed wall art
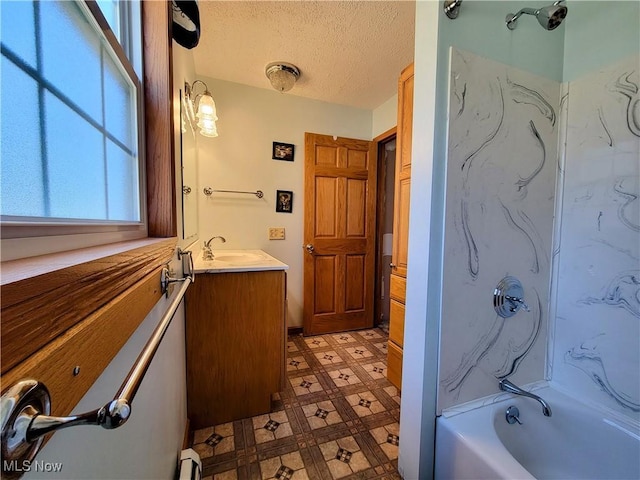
(284, 201)
(283, 151)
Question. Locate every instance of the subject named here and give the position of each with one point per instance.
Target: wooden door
(339, 233)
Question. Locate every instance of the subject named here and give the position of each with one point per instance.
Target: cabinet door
(396, 323)
(394, 365)
(403, 173)
(235, 345)
(398, 288)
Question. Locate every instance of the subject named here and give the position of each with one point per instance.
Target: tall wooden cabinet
(400, 226)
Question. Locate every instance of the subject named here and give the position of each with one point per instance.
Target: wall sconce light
(204, 107)
(282, 76)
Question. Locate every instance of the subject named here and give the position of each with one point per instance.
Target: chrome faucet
(507, 386)
(207, 253)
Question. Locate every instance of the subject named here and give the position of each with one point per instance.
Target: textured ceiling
(348, 52)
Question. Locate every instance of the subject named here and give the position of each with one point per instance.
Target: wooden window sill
(17, 270)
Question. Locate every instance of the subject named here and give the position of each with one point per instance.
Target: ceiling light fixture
(205, 108)
(282, 75)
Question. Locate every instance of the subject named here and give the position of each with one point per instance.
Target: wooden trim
(158, 88)
(37, 309)
(381, 193)
(91, 345)
(21, 269)
(383, 137)
(186, 441)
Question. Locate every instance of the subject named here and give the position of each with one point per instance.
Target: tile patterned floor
(337, 418)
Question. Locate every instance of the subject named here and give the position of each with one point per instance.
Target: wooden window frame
(82, 306)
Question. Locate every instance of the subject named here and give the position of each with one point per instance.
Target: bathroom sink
(238, 258)
(227, 261)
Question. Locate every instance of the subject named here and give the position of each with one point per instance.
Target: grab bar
(25, 407)
(208, 191)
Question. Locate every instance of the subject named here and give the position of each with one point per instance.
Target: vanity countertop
(226, 261)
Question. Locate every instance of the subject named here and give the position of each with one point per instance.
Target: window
(70, 149)
(46, 296)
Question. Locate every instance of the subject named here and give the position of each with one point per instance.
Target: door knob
(309, 248)
(392, 265)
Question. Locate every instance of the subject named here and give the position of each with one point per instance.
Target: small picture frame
(284, 201)
(283, 151)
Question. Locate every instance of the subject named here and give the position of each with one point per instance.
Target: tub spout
(507, 386)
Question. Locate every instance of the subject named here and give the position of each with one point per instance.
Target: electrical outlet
(276, 233)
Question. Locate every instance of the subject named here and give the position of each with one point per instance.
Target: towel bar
(208, 191)
(26, 406)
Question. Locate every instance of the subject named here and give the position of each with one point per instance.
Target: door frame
(379, 142)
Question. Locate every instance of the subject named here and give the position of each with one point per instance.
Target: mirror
(188, 168)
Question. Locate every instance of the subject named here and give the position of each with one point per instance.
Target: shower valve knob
(508, 297)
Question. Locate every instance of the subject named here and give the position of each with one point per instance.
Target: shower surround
(596, 347)
(514, 139)
(501, 170)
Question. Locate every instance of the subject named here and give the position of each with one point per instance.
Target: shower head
(549, 17)
(552, 16)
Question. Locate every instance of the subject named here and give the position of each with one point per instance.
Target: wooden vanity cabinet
(236, 340)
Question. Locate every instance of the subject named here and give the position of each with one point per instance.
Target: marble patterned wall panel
(597, 329)
(501, 167)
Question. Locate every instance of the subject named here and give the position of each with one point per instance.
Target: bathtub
(576, 442)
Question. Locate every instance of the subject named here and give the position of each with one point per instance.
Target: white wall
(385, 116)
(148, 445)
(480, 28)
(422, 318)
(250, 120)
(599, 33)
